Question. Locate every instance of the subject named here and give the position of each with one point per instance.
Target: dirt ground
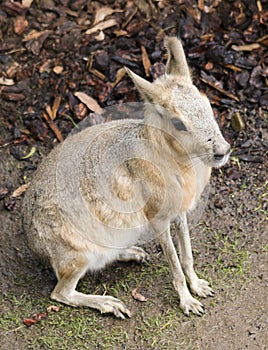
(46, 56)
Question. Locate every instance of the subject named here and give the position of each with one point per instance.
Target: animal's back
(54, 190)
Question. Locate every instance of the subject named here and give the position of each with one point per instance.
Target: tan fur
(109, 186)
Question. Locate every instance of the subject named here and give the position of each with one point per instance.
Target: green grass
(155, 324)
(231, 258)
(262, 199)
(70, 328)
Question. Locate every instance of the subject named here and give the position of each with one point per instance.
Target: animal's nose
(220, 152)
(218, 156)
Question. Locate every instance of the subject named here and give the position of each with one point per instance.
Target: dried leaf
(53, 308)
(132, 14)
(3, 192)
(45, 67)
(40, 316)
(56, 106)
(36, 318)
(27, 3)
(263, 40)
(146, 61)
(201, 5)
(89, 102)
(104, 12)
(7, 82)
(53, 127)
(12, 70)
(147, 7)
(29, 321)
(52, 112)
(12, 8)
(120, 32)
(234, 68)
(119, 75)
(98, 74)
(101, 26)
(34, 34)
(18, 192)
(20, 24)
(248, 47)
(80, 110)
(224, 92)
(36, 40)
(71, 12)
(12, 96)
(49, 111)
(137, 296)
(100, 36)
(259, 5)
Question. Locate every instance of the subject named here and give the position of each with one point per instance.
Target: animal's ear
(145, 87)
(177, 64)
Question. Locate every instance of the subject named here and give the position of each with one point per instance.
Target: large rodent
(96, 194)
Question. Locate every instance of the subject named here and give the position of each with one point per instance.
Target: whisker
(194, 160)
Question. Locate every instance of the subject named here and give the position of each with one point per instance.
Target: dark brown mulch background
(53, 50)
(46, 56)
(50, 50)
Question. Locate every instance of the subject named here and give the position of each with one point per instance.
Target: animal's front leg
(187, 302)
(198, 286)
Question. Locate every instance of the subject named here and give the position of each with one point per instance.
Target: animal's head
(176, 106)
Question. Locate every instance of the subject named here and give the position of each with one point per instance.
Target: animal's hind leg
(68, 277)
(133, 254)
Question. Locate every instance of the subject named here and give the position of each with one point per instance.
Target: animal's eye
(178, 124)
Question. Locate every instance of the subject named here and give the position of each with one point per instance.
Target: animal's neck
(178, 151)
(165, 142)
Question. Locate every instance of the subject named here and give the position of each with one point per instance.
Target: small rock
(219, 203)
(264, 100)
(58, 70)
(251, 158)
(237, 122)
(20, 24)
(246, 144)
(102, 61)
(10, 204)
(242, 78)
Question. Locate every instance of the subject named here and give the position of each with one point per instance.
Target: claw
(192, 305)
(201, 288)
(134, 254)
(114, 306)
(118, 314)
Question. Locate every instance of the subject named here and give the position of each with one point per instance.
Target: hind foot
(133, 254)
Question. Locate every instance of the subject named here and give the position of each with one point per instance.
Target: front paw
(201, 288)
(191, 304)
